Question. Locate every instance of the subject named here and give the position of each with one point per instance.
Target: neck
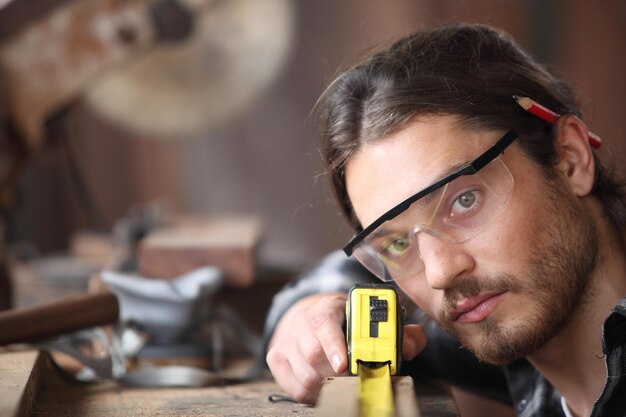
(573, 360)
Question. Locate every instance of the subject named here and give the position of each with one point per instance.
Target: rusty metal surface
(46, 64)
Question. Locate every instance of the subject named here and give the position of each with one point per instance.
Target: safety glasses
(453, 209)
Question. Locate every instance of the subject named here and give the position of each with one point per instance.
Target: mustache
(472, 286)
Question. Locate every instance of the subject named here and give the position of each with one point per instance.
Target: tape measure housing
(374, 327)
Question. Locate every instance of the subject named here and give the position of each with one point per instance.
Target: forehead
(383, 173)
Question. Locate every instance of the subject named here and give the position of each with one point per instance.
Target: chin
(497, 344)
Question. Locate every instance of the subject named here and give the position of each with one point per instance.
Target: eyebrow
(429, 198)
(449, 171)
(385, 232)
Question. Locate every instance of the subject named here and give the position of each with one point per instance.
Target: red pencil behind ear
(547, 115)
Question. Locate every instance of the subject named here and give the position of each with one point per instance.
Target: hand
(413, 341)
(309, 345)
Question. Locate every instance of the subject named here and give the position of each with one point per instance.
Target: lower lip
(482, 310)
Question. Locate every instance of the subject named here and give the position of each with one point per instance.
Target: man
(500, 225)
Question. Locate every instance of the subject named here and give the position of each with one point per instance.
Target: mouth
(476, 309)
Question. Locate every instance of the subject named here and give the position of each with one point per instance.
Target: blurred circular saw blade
(184, 88)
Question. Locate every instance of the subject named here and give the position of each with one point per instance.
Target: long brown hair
(469, 70)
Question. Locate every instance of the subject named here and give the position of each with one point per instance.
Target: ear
(575, 158)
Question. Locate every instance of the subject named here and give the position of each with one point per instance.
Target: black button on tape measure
(378, 313)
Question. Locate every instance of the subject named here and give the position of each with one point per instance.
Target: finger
(310, 348)
(284, 375)
(308, 380)
(327, 323)
(413, 341)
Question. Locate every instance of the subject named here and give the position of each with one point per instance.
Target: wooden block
(339, 397)
(20, 377)
(188, 243)
(96, 248)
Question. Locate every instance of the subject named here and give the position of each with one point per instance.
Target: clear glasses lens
(453, 213)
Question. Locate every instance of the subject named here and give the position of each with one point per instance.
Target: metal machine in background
(161, 68)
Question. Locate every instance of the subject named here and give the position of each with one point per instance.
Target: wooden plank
(20, 377)
(339, 397)
(404, 394)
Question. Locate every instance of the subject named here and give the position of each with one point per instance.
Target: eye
(396, 247)
(465, 203)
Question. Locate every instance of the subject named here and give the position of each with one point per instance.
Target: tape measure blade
(375, 392)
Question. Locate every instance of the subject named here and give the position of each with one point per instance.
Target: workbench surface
(109, 399)
(47, 393)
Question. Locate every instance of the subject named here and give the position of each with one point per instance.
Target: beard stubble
(565, 257)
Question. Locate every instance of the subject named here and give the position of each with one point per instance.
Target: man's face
(507, 291)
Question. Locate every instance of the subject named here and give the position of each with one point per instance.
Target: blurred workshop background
(123, 114)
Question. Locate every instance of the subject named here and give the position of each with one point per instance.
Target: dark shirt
(534, 396)
(517, 384)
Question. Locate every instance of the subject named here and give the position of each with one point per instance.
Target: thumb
(413, 341)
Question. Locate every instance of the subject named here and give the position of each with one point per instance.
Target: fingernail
(336, 361)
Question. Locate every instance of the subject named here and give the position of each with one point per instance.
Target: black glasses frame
(470, 169)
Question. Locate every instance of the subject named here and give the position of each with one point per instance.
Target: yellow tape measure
(374, 336)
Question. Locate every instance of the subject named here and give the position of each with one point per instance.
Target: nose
(443, 262)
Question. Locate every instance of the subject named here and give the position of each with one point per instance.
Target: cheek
(422, 294)
(513, 234)
(505, 246)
